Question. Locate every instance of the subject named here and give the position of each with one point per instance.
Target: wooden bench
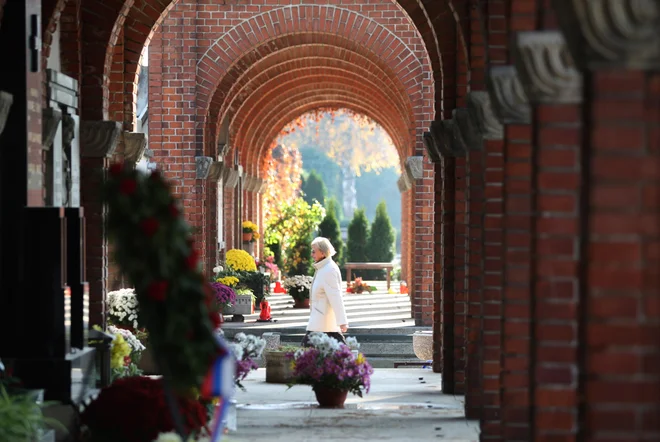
(350, 266)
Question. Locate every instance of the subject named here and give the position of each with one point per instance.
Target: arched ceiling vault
(255, 131)
(259, 166)
(264, 90)
(262, 130)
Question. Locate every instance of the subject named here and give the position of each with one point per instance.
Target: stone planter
(278, 368)
(423, 345)
(243, 306)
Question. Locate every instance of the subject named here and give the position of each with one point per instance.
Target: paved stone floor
(404, 405)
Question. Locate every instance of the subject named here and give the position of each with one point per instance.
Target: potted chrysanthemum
(332, 368)
(246, 349)
(299, 287)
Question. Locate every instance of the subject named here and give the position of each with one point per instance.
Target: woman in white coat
(327, 313)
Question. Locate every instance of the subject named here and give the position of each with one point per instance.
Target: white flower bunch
(129, 337)
(353, 343)
(123, 306)
(251, 346)
(173, 437)
(298, 281)
(218, 269)
(323, 343)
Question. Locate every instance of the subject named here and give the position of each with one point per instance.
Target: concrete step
(380, 322)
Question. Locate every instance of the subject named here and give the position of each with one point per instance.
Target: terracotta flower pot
(301, 303)
(330, 397)
(247, 237)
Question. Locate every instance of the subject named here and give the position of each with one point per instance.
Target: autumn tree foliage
(283, 179)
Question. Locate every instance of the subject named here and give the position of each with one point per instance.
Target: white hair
(325, 246)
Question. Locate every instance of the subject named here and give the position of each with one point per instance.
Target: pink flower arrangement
(331, 364)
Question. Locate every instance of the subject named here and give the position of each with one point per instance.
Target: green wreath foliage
(154, 250)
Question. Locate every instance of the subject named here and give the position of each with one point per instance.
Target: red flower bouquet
(135, 410)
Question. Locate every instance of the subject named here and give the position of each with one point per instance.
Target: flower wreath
(154, 249)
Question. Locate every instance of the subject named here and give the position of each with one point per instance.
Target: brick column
(98, 140)
(619, 290)
(555, 91)
(512, 108)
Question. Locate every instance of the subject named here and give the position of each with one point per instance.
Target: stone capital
(248, 183)
(261, 185)
(611, 33)
(404, 183)
(508, 96)
(481, 113)
(466, 132)
(98, 139)
(6, 100)
(546, 68)
(415, 168)
(215, 171)
(135, 144)
(230, 177)
(440, 141)
(51, 119)
(223, 148)
(202, 167)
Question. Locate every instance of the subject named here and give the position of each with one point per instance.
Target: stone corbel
(415, 168)
(135, 144)
(261, 185)
(223, 148)
(6, 100)
(202, 167)
(230, 177)
(482, 115)
(51, 122)
(440, 141)
(466, 131)
(611, 33)
(215, 171)
(98, 139)
(404, 183)
(508, 96)
(546, 68)
(248, 183)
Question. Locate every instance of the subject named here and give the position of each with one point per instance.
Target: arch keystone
(546, 68)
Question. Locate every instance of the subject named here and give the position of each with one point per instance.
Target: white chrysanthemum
(123, 305)
(129, 337)
(217, 269)
(353, 343)
(168, 437)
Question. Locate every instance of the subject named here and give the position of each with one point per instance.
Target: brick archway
(374, 62)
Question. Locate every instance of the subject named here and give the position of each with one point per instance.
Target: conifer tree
(329, 228)
(380, 246)
(358, 235)
(313, 188)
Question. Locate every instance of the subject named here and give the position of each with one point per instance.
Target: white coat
(327, 311)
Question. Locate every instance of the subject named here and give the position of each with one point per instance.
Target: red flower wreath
(164, 270)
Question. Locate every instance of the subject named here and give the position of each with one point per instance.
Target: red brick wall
(274, 96)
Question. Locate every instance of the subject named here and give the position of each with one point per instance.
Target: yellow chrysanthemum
(230, 281)
(240, 260)
(120, 349)
(360, 359)
(249, 226)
